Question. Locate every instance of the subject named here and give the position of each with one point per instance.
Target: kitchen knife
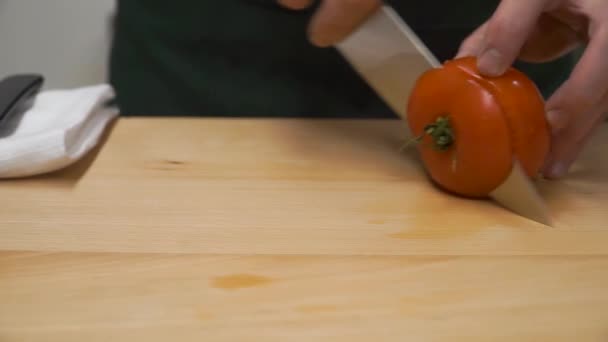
(390, 57)
(16, 94)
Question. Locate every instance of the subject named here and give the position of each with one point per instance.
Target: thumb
(506, 33)
(471, 45)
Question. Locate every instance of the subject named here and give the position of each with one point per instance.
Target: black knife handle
(16, 92)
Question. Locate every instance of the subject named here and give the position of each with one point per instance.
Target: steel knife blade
(389, 56)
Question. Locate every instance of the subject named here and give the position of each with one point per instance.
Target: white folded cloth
(56, 131)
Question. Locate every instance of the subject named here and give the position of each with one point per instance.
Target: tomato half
(472, 128)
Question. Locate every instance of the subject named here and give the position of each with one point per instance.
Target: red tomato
(472, 128)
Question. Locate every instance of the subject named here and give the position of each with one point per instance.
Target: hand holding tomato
(542, 30)
(335, 19)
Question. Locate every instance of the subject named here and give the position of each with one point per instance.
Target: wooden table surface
(292, 230)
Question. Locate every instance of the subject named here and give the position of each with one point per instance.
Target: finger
(336, 19)
(295, 4)
(578, 104)
(568, 144)
(507, 31)
(586, 86)
(472, 45)
(550, 39)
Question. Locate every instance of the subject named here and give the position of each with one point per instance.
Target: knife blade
(390, 57)
(519, 195)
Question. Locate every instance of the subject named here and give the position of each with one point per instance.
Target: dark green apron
(252, 58)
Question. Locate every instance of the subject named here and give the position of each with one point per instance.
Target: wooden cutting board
(292, 230)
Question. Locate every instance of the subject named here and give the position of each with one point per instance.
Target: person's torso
(252, 57)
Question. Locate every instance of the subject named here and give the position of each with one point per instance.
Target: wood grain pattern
(98, 297)
(284, 187)
(292, 230)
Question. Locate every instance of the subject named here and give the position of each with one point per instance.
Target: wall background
(66, 40)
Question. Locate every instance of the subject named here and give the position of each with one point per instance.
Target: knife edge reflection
(389, 56)
(518, 194)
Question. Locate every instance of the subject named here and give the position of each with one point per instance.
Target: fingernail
(467, 51)
(463, 53)
(319, 39)
(559, 170)
(491, 62)
(555, 119)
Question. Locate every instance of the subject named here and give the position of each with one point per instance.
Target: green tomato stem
(441, 133)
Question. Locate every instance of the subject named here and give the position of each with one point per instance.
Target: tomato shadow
(587, 180)
(72, 174)
(374, 148)
(377, 147)
(590, 167)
